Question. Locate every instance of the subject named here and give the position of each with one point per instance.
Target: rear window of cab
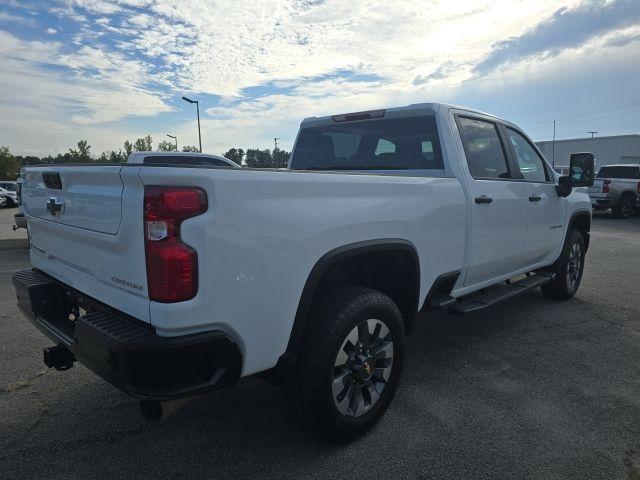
(381, 144)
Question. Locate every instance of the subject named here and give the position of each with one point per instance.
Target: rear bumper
(125, 351)
(601, 200)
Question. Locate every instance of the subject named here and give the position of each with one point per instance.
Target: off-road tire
(334, 316)
(625, 207)
(567, 279)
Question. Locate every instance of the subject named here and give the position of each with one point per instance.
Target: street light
(198, 112)
(175, 138)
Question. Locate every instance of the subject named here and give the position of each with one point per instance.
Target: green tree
(118, 157)
(128, 148)
(166, 146)
(190, 148)
(29, 160)
(9, 166)
(235, 155)
(280, 158)
(84, 151)
(251, 157)
(112, 157)
(144, 144)
(80, 155)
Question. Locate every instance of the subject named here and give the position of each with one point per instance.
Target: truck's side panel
(265, 230)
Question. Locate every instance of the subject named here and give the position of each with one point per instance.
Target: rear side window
(186, 160)
(483, 149)
(529, 162)
(619, 172)
(381, 144)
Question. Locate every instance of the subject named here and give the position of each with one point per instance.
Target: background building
(607, 150)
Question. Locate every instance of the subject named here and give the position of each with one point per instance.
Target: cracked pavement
(529, 389)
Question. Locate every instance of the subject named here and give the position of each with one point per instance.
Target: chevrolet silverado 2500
(617, 187)
(173, 280)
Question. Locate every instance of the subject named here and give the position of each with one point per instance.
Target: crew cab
(617, 187)
(173, 280)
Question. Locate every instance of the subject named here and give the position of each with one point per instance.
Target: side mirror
(582, 169)
(564, 186)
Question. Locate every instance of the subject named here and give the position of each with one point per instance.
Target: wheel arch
(388, 265)
(628, 193)
(580, 221)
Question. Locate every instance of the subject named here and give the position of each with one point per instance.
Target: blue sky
(111, 70)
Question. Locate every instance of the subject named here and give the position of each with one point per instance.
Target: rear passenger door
(545, 209)
(498, 202)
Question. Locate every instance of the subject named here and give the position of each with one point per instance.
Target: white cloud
(51, 31)
(321, 57)
(101, 87)
(6, 17)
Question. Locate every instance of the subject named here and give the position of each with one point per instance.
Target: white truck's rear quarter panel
(265, 230)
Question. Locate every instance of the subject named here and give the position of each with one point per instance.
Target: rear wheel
(350, 363)
(568, 270)
(626, 206)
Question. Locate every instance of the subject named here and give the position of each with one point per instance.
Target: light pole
(175, 138)
(592, 133)
(198, 112)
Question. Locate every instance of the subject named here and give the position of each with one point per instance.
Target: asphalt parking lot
(529, 389)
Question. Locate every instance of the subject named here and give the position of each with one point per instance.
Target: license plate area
(51, 304)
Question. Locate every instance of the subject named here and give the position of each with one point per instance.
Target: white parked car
(10, 196)
(181, 158)
(170, 282)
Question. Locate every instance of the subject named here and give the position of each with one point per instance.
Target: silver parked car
(617, 187)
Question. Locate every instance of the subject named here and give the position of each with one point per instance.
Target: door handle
(483, 199)
(534, 198)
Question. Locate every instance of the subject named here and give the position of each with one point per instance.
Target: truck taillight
(605, 186)
(172, 266)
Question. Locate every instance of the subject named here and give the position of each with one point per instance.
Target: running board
(499, 295)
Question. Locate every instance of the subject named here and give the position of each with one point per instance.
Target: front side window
(483, 149)
(529, 162)
(381, 144)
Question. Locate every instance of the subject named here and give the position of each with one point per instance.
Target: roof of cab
(429, 107)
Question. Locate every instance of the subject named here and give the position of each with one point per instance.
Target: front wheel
(568, 270)
(350, 364)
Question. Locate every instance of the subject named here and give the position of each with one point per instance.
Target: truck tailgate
(80, 235)
(597, 186)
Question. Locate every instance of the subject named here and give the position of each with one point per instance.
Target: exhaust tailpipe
(155, 411)
(58, 357)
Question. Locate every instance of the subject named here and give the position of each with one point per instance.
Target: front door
(498, 203)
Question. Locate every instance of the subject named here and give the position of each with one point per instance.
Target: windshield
(383, 144)
(9, 186)
(619, 172)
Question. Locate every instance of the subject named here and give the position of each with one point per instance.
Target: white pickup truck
(169, 281)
